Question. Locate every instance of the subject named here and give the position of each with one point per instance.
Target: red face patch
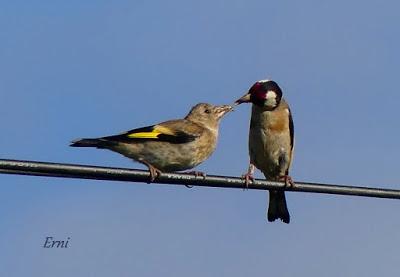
(258, 93)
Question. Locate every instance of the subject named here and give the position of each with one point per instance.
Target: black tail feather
(99, 143)
(277, 208)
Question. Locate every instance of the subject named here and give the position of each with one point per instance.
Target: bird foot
(289, 183)
(248, 177)
(197, 174)
(154, 173)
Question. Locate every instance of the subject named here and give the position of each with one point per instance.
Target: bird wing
(174, 131)
(291, 129)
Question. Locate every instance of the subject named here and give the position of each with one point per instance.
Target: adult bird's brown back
(271, 141)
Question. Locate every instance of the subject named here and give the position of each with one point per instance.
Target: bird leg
(249, 176)
(289, 183)
(197, 174)
(154, 172)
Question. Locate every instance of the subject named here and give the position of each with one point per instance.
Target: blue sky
(74, 69)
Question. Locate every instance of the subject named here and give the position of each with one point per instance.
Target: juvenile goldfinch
(169, 146)
(271, 141)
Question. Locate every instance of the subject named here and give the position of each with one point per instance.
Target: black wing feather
(291, 129)
(178, 137)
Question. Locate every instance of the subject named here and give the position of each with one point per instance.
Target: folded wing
(170, 131)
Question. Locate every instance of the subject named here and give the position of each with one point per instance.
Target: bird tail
(277, 208)
(99, 143)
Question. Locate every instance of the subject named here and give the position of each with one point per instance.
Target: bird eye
(207, 111)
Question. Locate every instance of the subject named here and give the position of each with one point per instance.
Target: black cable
(134, 175)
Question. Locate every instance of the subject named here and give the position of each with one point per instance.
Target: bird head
(265, 93)
(207, 114)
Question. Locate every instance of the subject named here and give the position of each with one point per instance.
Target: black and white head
(264, 93)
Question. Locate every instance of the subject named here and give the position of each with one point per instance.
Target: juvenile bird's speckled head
(264, 93)
(208, 115)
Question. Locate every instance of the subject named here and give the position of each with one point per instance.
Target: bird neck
(209, 125)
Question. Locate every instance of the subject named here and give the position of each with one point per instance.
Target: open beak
(244, 99)
(222, 110)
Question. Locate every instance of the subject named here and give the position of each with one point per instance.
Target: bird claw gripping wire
(197, 174)
(249, 176)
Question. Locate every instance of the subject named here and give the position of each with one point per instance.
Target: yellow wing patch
(164, 130)
(144, 135)
(153, 134)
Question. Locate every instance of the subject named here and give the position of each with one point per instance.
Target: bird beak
(244, 99)
(222, 110)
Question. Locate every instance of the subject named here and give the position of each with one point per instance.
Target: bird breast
(269, 140)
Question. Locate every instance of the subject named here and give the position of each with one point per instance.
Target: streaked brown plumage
(170, 146)
(271, 141)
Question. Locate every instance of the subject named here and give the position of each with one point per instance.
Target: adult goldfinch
(169, 146)
(271, 141)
